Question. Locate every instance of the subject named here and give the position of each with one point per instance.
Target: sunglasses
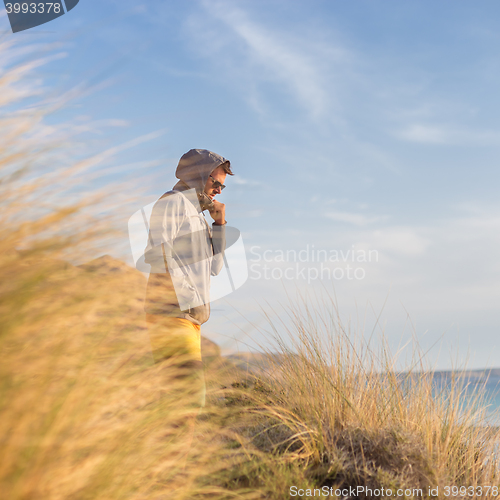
(217, 184)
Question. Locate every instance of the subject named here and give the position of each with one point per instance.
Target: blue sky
(350, 125)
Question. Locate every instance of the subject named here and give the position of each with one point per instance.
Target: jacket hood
(195, 168)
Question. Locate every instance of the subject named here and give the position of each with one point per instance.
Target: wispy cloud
(295, 64)
(245, 182)
(446, 135)
(352, 218)
(405, 241)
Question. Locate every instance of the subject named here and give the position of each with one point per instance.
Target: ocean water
(485, 384)
(491, 390)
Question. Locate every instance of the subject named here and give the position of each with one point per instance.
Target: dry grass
(332, 412)
(85, 414)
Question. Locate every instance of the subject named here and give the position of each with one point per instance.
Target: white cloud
(445, 135)
(404, 241)
(244, 182)
(424, 134)
(352, 218)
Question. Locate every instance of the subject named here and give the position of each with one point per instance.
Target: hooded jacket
(182, 249)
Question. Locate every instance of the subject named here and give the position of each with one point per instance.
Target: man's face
(219, 175)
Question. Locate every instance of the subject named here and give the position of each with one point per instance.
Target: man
(184, 252)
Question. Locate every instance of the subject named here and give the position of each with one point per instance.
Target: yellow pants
(179, 341)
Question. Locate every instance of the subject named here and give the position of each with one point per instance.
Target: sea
(483, 383)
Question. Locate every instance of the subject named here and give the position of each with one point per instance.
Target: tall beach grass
(327, 410)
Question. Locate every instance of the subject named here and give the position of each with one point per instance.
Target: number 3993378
(33, 8)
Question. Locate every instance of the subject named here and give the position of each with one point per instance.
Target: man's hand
(218, 213)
